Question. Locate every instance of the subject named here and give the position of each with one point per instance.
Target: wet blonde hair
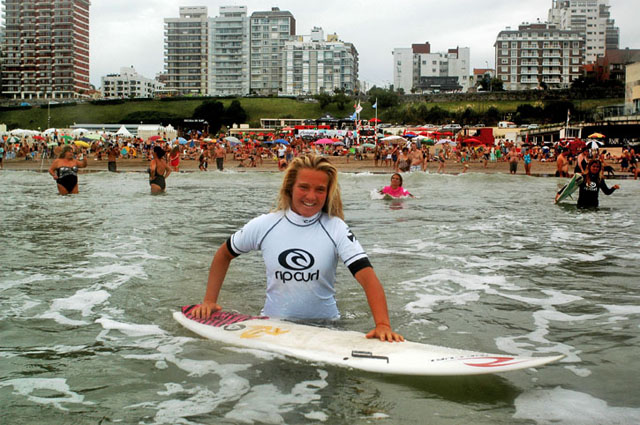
(333, 204)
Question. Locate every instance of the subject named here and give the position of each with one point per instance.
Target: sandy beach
(540, 169)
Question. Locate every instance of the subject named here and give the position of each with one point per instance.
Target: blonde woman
(64, 170)
(301, 241)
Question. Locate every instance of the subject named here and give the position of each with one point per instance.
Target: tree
(497, 84)
(234, 114)
(340, 99)
(212, 111)
(386, 98)
(324, 99)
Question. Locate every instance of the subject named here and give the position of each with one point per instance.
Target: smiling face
(309, 192)
(396, 181)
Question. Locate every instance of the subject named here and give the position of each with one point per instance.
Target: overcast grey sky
(131, 32)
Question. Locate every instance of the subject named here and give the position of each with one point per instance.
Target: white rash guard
(301, 255)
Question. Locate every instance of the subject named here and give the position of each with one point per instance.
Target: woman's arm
(378, 304)
(217, 273)
(53, 168)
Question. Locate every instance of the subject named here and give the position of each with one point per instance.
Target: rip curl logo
(591, 187)
(296, 259)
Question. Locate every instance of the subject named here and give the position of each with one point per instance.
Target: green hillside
(64, 116)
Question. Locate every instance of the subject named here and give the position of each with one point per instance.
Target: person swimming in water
(158, 171)
(64, 170)
(395, 189)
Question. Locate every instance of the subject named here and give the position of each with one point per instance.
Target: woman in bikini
(64, 170)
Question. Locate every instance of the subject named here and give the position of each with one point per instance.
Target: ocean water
(480, 262)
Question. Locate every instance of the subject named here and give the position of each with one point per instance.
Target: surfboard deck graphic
(569, 188)
(348, 348)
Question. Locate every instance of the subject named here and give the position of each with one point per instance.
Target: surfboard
(349, 349)
(569, 188)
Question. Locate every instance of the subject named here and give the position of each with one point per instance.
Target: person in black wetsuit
(64, 170)
(593, 182)
(158, 171)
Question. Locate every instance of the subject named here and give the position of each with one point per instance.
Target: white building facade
(187, 51)
(128, 84)
(315, 65)
(538, 53)
(229, 52)
(418, 70)
(592, 19)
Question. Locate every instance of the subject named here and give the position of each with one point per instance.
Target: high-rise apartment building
(187, 51)
(592, 19)
(417, 69)
(46, 49)
(314, 65)
(229, 52)
(269, 31)
(538, 53)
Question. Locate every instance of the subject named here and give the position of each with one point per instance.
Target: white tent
(23, 133)
(124, 132)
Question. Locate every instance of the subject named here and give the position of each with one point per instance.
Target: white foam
(27, 386)
(571, 408)
(83, 301)
(7, 284)
(266, 403)
(130, 329)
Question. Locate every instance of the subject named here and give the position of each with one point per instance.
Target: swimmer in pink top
(396, 190)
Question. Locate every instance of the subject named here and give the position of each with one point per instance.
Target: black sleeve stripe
(358, 265)
(235, 254)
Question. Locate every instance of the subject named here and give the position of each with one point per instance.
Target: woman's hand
(384, 333)
(205, 310)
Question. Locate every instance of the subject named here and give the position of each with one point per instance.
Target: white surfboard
(349, 349)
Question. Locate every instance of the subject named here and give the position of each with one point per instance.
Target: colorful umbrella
(82, 144)
(324, 142)
(594, 144)
(597, 136)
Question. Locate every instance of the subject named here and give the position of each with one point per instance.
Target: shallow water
(481, 262)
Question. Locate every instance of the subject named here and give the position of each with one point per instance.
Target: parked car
(451, 127)
(533, 126)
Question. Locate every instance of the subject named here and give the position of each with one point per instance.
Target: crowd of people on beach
(398, 157)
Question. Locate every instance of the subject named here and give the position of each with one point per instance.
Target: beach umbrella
(268, 142)
(410, 135)
(594, 144)
(82, 144)
(324, 141)
(181, 140)
(78, 131)
(154, 138)
(92, 136)
(232, 139)
(374, 120)
(52, 144)
(49, 131)
(597, 136)
(392, 138)
(338, 144)
(36, 137)
(368, 145)
(284, 142)
(65, 137)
